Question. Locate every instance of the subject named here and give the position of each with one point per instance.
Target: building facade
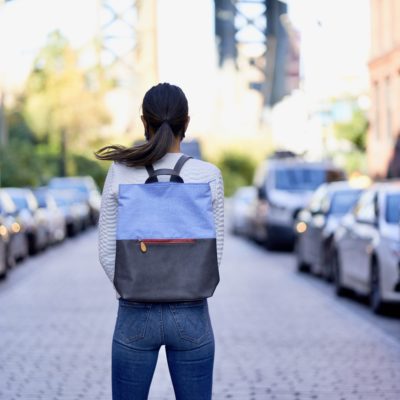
(384, 68)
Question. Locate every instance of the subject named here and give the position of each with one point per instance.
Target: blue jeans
(185, 330)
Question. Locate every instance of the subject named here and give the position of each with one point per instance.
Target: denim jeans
(185, 330)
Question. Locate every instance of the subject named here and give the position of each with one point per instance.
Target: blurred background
(298, 104)
(72, 78)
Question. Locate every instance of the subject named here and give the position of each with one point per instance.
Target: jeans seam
(162, 324)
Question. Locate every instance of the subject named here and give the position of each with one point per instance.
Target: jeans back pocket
(191, 319)
(132, 321)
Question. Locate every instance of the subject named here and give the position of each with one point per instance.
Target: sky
(335, 37)
(335, 43)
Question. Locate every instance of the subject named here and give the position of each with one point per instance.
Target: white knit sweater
(192, 171)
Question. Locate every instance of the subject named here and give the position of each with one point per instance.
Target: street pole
(63, 152)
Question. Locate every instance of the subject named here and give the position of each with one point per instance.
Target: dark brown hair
(165, 109)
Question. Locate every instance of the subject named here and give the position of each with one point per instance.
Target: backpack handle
(175, 177)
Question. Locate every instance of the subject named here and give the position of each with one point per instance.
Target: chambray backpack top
(166, 239)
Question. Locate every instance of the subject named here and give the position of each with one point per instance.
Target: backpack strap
(150, 169)
(175, 177)
(180, 162)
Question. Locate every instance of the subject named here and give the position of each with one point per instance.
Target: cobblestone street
(279, 334)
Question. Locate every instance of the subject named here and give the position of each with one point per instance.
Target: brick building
(384, 67)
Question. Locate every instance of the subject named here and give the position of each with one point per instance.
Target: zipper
(143, 243)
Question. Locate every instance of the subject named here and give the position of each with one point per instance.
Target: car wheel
(337, 275)
(327, 270)
(234, 230)
(375, 294)
(33, 244)
(3, 262)
(301, 266)
(268, 242)
(10, 257)
(71, 229)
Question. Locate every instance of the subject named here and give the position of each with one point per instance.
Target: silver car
(54, 216)
(242, 201)
(13, 232)
(86, 191)
(3, 247)
(316, 224)
(366, 254)
(33, 219)
(285, 186)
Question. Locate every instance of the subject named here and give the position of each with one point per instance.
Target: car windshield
(62, 199)
(393, 208)
(343, 201)
(69, 184)
(41, 199)
(299, 178)
(20, 202)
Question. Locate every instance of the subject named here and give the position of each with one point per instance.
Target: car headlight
(301, 227)
(3, 231)
(15, 227)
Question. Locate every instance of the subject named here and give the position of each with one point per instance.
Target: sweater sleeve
(107, 226)
(218, 210)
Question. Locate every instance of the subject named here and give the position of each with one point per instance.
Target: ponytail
(143, 154)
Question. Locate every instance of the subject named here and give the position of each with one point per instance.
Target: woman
(142, 328)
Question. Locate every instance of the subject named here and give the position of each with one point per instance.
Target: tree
(237, 170)
(60, 99)
(63, 105)
(355, 131)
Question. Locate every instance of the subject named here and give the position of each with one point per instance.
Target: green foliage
(237, 170)
(85, 166)
(59, 96)
(355, 130)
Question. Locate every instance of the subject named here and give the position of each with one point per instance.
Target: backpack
(166, 239)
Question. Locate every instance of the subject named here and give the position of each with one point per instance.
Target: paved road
(279, 335)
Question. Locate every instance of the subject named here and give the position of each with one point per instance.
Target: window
(20, 202)
(293, 179)
(392, 214)
(343, 201)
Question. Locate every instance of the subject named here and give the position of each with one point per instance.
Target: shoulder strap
(179, 164)
(150, 169)
(167, 171)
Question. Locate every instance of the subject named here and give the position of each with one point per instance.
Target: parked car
(284, 186)
(55, 218)
(76, 212)
(86, 191)
(367, 247)
(12, 231)
(32, 218)
(316, 224)
(242, 201)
